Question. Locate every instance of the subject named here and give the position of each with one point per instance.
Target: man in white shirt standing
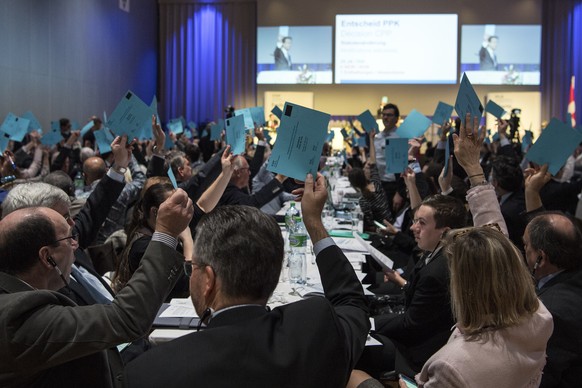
(390, 117)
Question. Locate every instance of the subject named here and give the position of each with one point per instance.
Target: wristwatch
(120, 170)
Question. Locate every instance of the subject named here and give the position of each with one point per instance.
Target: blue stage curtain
(561, 56)
(207, 58)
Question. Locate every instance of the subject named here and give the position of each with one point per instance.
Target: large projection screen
(396, 49)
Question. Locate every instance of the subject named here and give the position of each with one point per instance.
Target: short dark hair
(20, 244)
(357, 178)
(507, 172)
(492, 37)
(244, 246)
(286, 38)
(448, 211)
(561, 246)
(62, 180)
(392, 106)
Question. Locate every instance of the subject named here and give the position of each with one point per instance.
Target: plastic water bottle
(297, 258)
(290, 216)
(79, 181)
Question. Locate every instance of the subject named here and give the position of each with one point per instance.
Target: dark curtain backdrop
(561, 56)
(207, 58)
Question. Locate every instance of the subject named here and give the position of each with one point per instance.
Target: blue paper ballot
(467, 100)
(216, 130)
(192, 125)
(75, 125)
(103, 138)
(396, 153)
(330, 136)
(154, 109)
(258, 115)
(33, 124)
(494, 109)
(169, 143)
(495, 137)
(4, 140)
(55, 126)
(555, 145)
(415, 125)
(235, 134)
(526, 141)
(175, 125)
(86, 128)
(129, 116)
(359, 141)
(277, 112)
(16, 127)
(368, 121)
(268, 137)
(442, 113)
(300, 140)
(51, 138)
(248, 117)
(105, 117)
(188, 133)
(344, 133)
(447, 155)
(172, 178)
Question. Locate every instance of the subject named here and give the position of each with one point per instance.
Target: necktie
(89, 285)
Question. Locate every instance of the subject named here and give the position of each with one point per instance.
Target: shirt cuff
(115, 175)
(261, 143)
(503, 141)
(165, 239)
(322, 244)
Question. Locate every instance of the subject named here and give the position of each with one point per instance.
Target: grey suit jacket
(47, 340)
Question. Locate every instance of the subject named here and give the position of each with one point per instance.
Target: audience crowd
(486, 288)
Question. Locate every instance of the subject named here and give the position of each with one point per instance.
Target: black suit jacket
(281, 62)
(426, 323)
(562, 296)
(513, 210)
(311, 343)
(486, 62)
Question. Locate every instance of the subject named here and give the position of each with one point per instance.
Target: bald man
(46, 339)
(94, 169)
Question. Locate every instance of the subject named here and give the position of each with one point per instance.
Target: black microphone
(54, 264)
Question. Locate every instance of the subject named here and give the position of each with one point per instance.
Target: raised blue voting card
(216, 130)
(330, 136)
(104, 138)
(442, 113)
(555, 145)
(494, 109)
(300, 140)
(396, 153)
(172, 178)
(75, 125)
(192, 125)
(176, 126)
(51, 138)
(16, 127)
(344, 133)
(34, 124)
(368, 121)
(169, 143)
(258, 115)
(248, 122)
(277, 112)
(415, 125)
(4, 140)
(129, 116)
(359, 141)
(235, 134)
(467, 100)
(87, 127)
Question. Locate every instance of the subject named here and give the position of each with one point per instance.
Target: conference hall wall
(66, 58)
(350, 99)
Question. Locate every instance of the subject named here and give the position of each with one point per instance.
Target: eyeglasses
(189, 267)
(74, 236)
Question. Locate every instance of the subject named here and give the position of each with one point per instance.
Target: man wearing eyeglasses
(238, 254)
(46, 339)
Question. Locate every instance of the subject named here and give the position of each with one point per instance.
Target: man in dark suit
(46, 339)
(412, 337)
(237, 260)
(487, 57)
(552, 248)
(282, 56)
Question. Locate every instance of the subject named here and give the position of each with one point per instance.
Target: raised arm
(535, 179)
(481, 196)
(211, 196)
